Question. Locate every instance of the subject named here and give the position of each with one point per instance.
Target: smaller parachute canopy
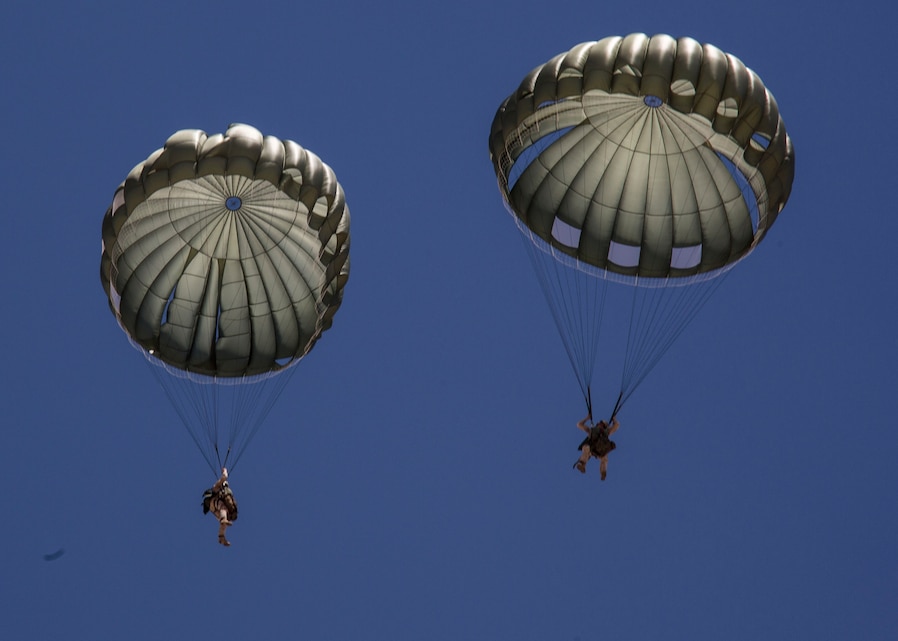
(226, 255)
(649, 157)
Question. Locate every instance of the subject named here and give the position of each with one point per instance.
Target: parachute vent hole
(233, 203)
(624, 255)
(531, 153)
(567, 235)
(686, 257)
(748, 194)
(653, 101)
(171, 297)
(760, 141)
(218, 324)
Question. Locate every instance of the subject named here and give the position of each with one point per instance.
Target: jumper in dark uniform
(597, 443)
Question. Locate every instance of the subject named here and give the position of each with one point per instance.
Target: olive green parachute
(640, 151)
(651, 161)
(225, 256)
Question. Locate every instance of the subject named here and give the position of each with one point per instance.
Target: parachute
(650, 162)
(224, 259)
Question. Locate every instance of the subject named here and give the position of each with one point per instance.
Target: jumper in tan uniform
(221, 502)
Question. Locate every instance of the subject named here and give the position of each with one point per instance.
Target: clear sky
(414, 480)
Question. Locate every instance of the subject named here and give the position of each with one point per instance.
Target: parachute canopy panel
(644, 156)
(226, 255)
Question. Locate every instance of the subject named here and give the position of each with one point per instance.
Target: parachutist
(219, 499)
(597, 443)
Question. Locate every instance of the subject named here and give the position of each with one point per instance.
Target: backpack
(207, 500)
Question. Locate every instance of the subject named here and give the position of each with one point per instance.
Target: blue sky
(414, 480)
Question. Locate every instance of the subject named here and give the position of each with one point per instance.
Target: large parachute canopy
(224, 259)
(650, 161)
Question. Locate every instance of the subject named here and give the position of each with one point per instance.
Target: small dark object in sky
(55, 555)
